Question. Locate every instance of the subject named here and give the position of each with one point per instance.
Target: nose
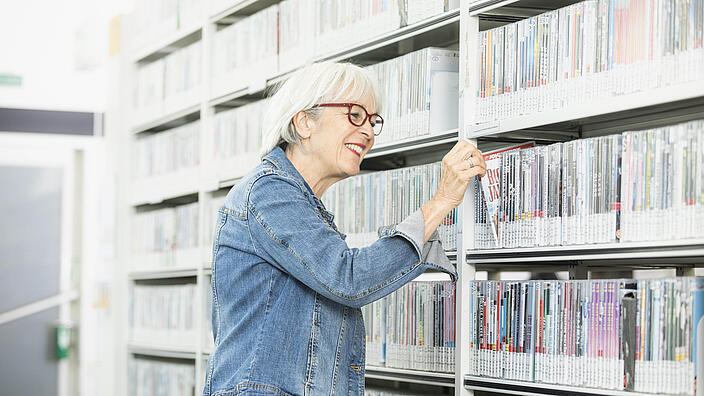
(367, 129)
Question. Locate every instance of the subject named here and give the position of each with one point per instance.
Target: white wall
(59, 48)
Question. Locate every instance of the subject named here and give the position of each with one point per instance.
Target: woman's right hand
(454, 179)
(457, 171)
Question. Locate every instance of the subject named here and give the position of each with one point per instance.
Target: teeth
(354, 147)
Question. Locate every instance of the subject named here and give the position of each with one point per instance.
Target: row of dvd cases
(617, 100)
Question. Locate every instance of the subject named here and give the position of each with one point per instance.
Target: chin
(352, 171)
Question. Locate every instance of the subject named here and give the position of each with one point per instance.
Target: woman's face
(339, 145)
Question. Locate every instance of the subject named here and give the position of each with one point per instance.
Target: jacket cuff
(430, 253)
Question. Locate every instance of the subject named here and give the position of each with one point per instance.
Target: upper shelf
(407, 152)
(417, 142)
(643, 253)
(440, 30)
(510, 387)
(241, 9)
(488, 8)
(604, 115)
(178, 39)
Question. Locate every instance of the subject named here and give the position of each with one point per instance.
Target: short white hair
(307, 87)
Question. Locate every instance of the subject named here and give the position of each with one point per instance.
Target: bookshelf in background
(610, 101)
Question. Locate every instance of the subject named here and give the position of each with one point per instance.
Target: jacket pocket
(356, 379)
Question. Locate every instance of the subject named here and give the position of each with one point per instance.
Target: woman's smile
(356, 148)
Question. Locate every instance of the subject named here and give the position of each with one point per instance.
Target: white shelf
(510, 387)
(411, 376)
(167, 273)
(603, 109)
(240, 9)
(161, 351)
(160, 47)
(156, 189)
(414, 143)
(401, 375)
(657, 250)
(482, 7)
(186, 110)
(448, 20)
(168, 261)
(423, 27)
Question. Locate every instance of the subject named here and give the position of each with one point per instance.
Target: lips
(355, 148)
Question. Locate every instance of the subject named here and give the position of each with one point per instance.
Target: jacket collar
(278, 158)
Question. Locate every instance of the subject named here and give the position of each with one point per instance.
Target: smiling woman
(286, 287)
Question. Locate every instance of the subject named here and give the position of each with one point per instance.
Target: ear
(303, 124)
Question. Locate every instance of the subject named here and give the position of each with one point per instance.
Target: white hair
(307, 87)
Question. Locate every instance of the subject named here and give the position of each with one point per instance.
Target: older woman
(287, 290)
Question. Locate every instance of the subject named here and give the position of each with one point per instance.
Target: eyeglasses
(358, 115)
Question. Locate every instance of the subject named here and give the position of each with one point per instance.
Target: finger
(464, 152)
(478, 159)
(471, 172)
(457, 147)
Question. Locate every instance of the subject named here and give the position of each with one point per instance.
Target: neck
(314, 174)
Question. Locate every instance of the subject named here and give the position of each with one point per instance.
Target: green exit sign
(10, 79)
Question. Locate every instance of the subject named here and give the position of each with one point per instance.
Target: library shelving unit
(456, 29)
(602, 115)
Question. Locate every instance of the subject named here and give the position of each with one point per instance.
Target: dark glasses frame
(349, 114)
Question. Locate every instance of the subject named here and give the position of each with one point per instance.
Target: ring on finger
(471, 163)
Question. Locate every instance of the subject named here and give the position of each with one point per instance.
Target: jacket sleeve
(288, 231)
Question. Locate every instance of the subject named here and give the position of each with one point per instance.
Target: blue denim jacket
(287, 290)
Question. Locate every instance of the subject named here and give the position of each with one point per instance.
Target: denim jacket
(287, 290)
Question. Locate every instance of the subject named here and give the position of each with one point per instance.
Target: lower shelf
(166, 273)
(411, 376)
(161, 351)
(401, 375)
(539, 389)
